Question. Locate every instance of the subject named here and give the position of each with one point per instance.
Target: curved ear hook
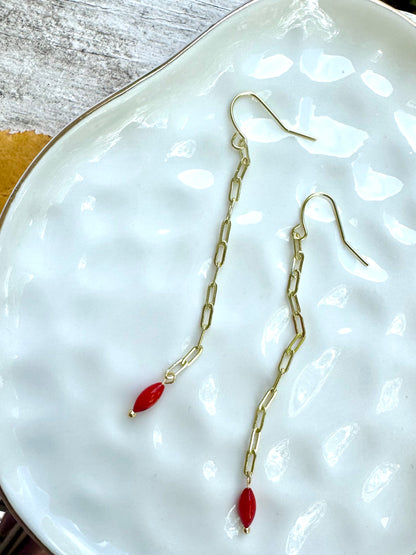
(274, 116)
(337, 219)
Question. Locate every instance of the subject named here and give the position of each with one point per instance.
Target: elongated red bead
(148, 397)
(247, 507)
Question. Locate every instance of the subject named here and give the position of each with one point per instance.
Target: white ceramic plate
(104, 260)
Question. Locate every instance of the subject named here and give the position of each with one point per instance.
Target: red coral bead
(148, 397)
(247, 507)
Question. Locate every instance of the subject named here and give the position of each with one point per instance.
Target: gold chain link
(240, 144)
(298, 234)
(287, 356)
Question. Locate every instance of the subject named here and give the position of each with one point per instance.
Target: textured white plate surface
(104, 260)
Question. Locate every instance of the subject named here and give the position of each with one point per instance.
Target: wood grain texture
(60, 57)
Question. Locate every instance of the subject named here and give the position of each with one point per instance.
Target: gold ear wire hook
(274, 116)
(337, 219)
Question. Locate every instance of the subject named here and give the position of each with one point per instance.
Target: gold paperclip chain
(299, 233)
(286, 359)
(239, 143)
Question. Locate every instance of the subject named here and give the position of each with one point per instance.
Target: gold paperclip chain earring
(247, 501)
(152, 393)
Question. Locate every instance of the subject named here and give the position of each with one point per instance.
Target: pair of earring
(148, 397)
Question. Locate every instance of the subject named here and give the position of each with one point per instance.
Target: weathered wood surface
(59, 57)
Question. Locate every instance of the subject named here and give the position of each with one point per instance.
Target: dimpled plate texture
(106, 254)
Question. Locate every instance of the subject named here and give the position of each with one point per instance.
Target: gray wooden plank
(59, 57)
